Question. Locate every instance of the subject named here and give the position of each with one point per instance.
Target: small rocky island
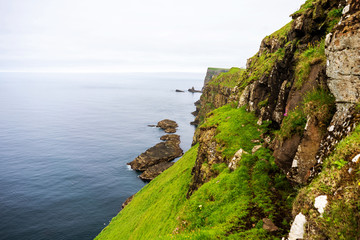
(158, 158)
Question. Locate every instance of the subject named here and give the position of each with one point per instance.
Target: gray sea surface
(65, 140)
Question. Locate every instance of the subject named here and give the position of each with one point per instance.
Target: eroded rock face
(304, 159)
(343, 71)
(161, 152)
(343, 53)
(207, 153)
(169, 126)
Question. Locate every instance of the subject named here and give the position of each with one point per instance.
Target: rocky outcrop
(169, 126)
(212, 97)
(155, 170)
(343, 54)
(193, 90)
(207, 153)
(161, 152)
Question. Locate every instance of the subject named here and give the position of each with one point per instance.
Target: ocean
(65, 140)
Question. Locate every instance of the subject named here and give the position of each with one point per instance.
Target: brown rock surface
(155, 170)
(161, 152)
(168, 125)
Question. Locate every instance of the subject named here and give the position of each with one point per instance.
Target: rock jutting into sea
(157, 159)
(193, 90)
(169, 126)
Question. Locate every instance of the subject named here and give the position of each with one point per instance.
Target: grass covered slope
(230, 206)
(152, 212)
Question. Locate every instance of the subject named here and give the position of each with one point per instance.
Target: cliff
(211, 72)
(277, 148)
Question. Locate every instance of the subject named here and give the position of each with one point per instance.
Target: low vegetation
(228, 79)
(235, 129)
(314, 54)
(340, 181)
(157, 204)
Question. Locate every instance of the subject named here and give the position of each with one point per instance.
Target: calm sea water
(65, 140)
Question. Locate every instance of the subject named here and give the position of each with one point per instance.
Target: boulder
(155, 170)
(269, 225)
(168, 125)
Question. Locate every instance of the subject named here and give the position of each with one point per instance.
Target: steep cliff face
(276, 152)
(218, 90)
(286, 83)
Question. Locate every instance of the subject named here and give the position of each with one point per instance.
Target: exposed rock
(343, 69)
(161, 152)
(269, 225)
(255, 148)
(304, 159)
(342, 51)
(171, 137)
(284, 151)
(127, 201)
(356, 158)
(297, 228)
(151, 125)
(155, 170)
(207, 152)
(177, 90)
(193, 90)
(320, 203)
(168, 125)
(237, 157)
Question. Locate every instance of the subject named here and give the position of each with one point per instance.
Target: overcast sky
(136, 35)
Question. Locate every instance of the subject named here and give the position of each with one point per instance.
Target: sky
(136, 35)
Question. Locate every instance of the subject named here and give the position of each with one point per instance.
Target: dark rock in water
(168, 125)
(155, 170)
(177, 90)
(193, 90)
(171, 137)
(151, 125)
(161, 152)
(127, 201)
(195, 122)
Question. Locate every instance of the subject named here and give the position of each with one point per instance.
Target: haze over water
(65, 140)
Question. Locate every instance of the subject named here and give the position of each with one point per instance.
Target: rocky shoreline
(158, 158)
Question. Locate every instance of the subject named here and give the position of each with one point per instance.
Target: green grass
(235, 128)
(153, 210)
(232, 205)
(228, 79)
(320, 104)
(293, 123)
(261, 66)
(333, 17)
(309, 4)
(314, 54)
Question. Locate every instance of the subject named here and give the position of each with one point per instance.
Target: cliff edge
(276, 154)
